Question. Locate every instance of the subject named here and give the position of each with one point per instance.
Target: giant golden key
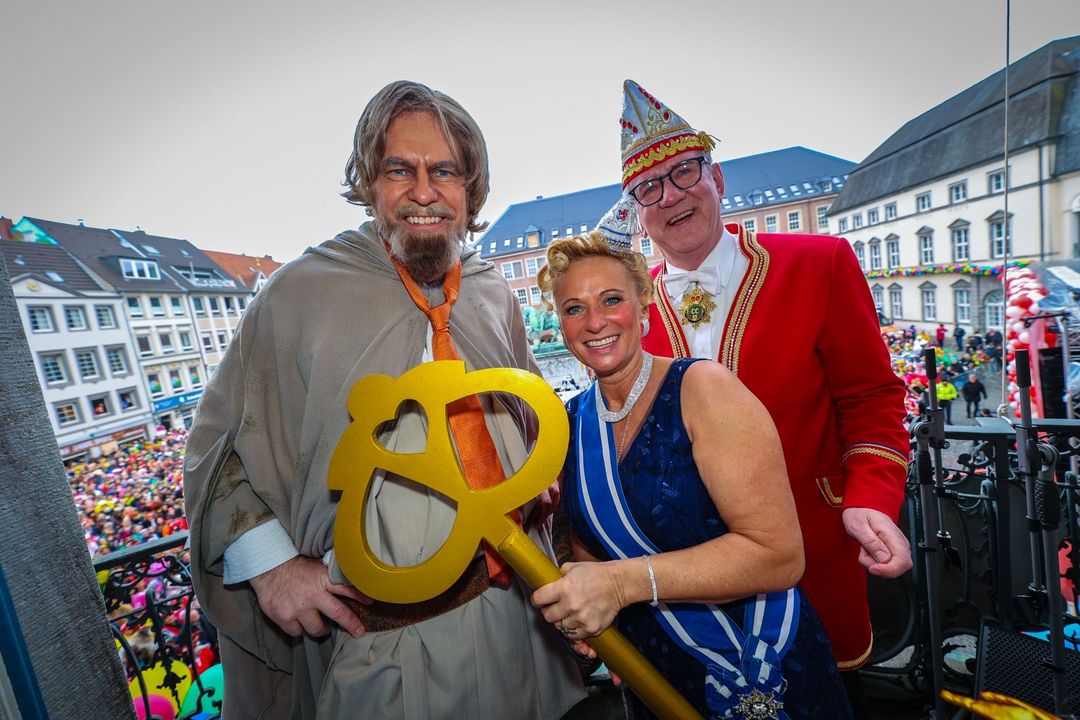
(482, 514)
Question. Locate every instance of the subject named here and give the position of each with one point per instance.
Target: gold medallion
(697, 306)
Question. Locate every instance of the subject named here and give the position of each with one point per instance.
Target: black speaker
(1014, 664)
(1052, 382)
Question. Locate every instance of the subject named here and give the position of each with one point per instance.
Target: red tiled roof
(244, 268)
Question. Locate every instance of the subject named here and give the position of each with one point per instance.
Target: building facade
(82, 350)
(925, 212)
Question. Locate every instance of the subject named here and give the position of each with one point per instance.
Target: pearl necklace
(635, 392)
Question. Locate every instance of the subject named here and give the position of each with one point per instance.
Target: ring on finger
(565, 630)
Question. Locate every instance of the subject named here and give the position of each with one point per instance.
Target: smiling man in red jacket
(792, 316)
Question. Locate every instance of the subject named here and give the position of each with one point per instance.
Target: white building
(82, 350)
(925, 212)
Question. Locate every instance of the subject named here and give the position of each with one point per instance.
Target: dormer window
(139, 269)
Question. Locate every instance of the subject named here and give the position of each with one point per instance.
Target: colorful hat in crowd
(652, 132)
(620, 224)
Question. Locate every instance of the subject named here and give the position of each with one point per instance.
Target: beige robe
(264, 433)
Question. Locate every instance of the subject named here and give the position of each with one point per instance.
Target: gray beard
(426, 256)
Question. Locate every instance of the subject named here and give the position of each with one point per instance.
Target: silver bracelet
(652, 582)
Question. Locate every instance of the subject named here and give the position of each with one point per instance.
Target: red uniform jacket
(802, 334)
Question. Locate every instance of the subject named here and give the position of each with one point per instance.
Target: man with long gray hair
(297, 640)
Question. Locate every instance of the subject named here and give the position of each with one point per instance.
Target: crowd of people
(961, 358)
(131, 496)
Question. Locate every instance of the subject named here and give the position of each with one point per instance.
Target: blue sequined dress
(672, 506)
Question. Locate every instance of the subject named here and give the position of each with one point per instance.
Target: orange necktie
(479, 459)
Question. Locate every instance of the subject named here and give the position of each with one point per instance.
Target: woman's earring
(644, 327)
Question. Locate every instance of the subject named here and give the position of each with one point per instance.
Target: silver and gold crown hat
(652, 132)
(620, 224)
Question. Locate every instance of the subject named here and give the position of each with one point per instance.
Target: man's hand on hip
(884, 550)
(299, 597)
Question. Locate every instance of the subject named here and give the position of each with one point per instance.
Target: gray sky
(228, 123)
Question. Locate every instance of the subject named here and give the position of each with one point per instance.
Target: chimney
(5, 228)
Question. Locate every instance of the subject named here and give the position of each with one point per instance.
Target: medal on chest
(697, 306)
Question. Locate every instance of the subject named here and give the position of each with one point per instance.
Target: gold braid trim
(857, 662)
(831, 498)
(877, 451)
(664, 151)
(679, 348)
(744, 301)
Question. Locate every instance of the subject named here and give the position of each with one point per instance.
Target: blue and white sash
(743, 675)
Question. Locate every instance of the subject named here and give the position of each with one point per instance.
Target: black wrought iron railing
(167, 647)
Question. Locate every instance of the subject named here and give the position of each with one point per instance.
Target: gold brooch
(697, 306)
(756, 705)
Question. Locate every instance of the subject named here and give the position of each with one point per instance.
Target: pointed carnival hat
(652, 132)
(620, 224)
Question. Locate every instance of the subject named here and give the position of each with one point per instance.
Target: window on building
(165, 339)
(750, 224)
(116, 357)
(922, 202)
(157, 308)
(875, 254)
(771, 223)
(878, 294)
(139, 269)
(194, 375)
(962, 302)
(506, 242)
(872, 216)
(207, 341)
(584, 228)
(53, 368)
(100, 406)
(222, 340)
(129, 399)
(860, 253)
(75, 317)
(534, 295)
(154, 381)
(241, 303)
(508, 271)
(856, 221)
(896, 302)
(929, 302)
(185, 341)
(996, 182)
(554, 233)
(794, 220)
(994, 304)
(926, 248)
(177, 305)
(41, 319)
(532, 239)
(134, 307)
(890, 211)
(67, 413)
(646, 246)
(106, 318)
(531, 266)
(87, 362)
(825, 185)
(841, 225)
(520, 240)
(961, 244)
(215, 306)
(892, 251)
(143, 343)
(522, 296)
(958, 192)
(230, 309)
(176, 382)
(1000, 237)
(823, 217)
(519, 270)
(200, 309)
(569, 230)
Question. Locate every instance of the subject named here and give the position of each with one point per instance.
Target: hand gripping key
(481, 513)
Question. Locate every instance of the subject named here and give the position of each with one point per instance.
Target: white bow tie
(677, 281)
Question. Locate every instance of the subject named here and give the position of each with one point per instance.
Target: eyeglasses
(684, 176)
